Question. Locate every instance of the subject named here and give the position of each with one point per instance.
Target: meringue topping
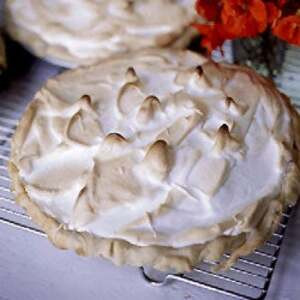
(152, 159)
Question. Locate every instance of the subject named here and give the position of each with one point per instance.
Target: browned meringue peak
(183, 77)
(85, 102)
(56, 103)
(115, 139)
(199, 71)
(224, 140)
(203, 80)
(84, 127)
(113, 146)
(148, 109)
(129, 97)
(130, 76)
(204, 76)
(234, 106)
(115, 142)
(126, 4)
(157, 160)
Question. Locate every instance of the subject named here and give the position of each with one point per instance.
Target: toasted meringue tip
(86, 98)
(128, 4)
(115, 137)
(158, 151)
(162, 144)
(222, 137)
(229, 101)
(237, 107)
(129, 96)
(223, 129)
(199, 70)
(157, 159)
(131, 75)
(150, 105)
(151, 99)
(225, 139)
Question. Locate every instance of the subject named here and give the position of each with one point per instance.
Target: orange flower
(288, 29)
(273, 12)
(209, 9)
(244, 18)
(213, 35)
(282, 3)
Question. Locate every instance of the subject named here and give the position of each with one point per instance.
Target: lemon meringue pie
(159, 157)
(81, 32)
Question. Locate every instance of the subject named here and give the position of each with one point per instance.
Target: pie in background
(82, 32)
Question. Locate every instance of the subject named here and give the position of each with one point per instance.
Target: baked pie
(160, 157)
(82, 32)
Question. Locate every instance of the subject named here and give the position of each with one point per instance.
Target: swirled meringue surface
(156, 148)
(83, 31)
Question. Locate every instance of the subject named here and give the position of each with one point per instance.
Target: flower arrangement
(232, 19)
